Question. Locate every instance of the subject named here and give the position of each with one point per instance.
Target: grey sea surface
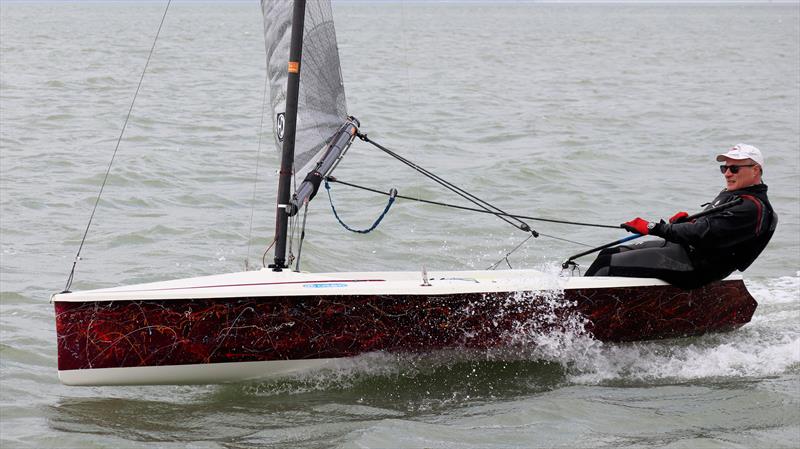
(593, 113)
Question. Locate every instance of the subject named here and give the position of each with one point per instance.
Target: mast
(287, 156)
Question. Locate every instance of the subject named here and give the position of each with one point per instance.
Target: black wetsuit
(695, 253)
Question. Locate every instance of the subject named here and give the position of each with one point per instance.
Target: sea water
(583, 112)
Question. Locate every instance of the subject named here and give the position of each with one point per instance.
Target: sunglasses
(733, 168)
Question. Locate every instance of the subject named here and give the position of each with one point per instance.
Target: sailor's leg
(666, 261)
(602, 264)
(651, 259)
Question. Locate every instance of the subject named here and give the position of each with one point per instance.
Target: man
(709, 248)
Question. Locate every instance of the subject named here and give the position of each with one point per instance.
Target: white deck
(288, 283)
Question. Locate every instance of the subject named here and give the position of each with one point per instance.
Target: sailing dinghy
(274, 321)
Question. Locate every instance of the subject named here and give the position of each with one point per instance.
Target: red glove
(679, 217)
(637, 226)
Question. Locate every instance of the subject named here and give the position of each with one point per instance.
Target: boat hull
(223, 339)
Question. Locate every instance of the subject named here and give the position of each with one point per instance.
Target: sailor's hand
(637, 226)
(679, 217)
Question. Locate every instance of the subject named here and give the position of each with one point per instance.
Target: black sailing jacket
(729, 240)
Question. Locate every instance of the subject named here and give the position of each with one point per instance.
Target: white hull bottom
(200, 374)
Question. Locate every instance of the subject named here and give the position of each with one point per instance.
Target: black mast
(287, 157)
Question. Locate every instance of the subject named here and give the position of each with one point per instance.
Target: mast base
(279, 265)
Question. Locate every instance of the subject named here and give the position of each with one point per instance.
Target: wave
(539, 358)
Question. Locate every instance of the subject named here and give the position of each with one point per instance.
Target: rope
(454, 188)
(392, 197)
(114, 155)
(472, 209)
(264, 256)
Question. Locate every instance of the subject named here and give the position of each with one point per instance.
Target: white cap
(743, 151)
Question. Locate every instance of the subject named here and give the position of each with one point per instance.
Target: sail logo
(325, 285)
(280, 125)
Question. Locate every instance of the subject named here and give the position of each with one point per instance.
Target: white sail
(321, 106)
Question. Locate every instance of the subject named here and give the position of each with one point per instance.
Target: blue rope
(392, 197)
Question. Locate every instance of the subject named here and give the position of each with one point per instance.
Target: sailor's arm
(726, 228)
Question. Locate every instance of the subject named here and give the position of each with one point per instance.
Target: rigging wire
(564, 240)
(258, 161)
(454, 188)
(505, 258)
(114, 154)
(292, 228)
(293, 223)
(302, 238)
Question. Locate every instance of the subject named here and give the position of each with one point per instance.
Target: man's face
(749, 174)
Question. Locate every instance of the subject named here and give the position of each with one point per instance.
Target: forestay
(321, 105)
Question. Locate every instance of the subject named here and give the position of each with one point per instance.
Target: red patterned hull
(159, 333)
